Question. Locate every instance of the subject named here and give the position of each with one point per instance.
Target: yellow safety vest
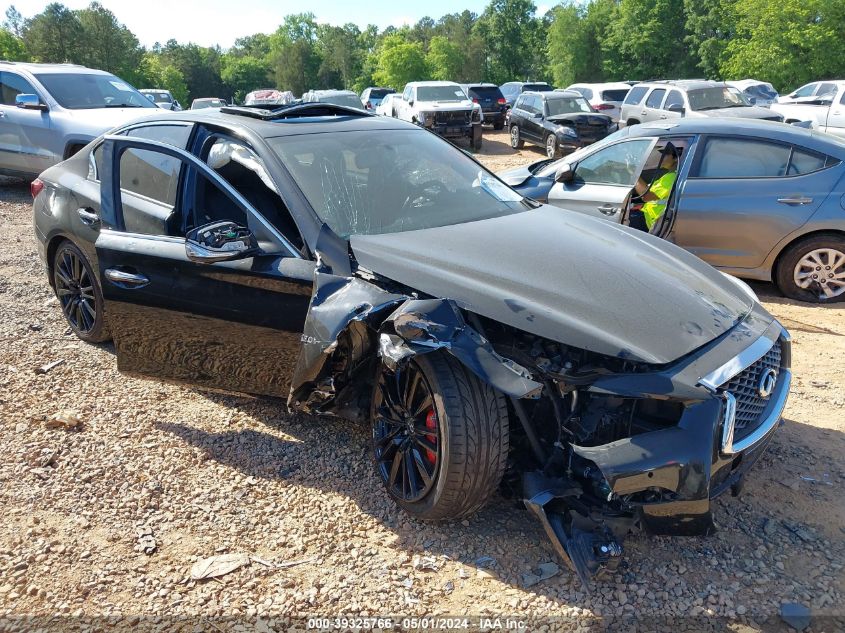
(661, 188)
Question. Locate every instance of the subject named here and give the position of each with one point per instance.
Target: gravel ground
(188, 474)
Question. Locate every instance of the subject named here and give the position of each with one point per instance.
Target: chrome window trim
(784, 381)
(738, 363)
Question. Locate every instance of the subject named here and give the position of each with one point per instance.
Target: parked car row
(359, 265)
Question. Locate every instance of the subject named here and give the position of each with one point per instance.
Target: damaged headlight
(426, 119)
(567, 131)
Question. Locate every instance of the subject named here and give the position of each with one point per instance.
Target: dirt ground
(188, 475)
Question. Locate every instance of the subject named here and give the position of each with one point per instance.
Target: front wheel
(440, 437)
(516, 138)
(813, 270)
(79, 294)
(551, 146)
(476, 138)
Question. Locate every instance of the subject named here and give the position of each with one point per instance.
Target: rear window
(635, 95)
(537, 87)
(614, 95)
(485, 92)
(380, 93)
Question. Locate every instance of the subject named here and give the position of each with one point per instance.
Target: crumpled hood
(750, 112)
(98, 120)
(567, 277)
(574, 117)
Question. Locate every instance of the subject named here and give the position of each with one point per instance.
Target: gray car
(757, 200)
(50, 111)
(693, 98)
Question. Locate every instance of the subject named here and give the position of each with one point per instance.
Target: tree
(109, 45)
(511, 32)
(565, 43)
(199, 66)
(54, 35)
(445, 59)
(158, 74)
(14, 21)
(341, 57)
(711, 24)
(787, 42)
(399, 62)
(295, 62)
(11, 46)
(244, 74)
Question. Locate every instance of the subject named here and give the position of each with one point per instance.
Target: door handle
(663, 116)
(644, 112)
(124, 279)
(88, 217)
(2, 114)
(608, 209)
(796, 201)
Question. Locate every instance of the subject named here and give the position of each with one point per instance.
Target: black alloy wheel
(406, 433)
(79, 294)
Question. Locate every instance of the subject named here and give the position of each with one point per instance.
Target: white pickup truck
(825, 113)
(443, 108)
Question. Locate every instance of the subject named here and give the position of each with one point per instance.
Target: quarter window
(11, 86)
(635, 95)
(805, 162)
(618, 164)
(655, 98)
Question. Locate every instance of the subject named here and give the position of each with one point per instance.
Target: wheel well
(802, 238)
(632, 122)
(52, 247)
(72, 148)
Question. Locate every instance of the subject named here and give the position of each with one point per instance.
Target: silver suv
(656, 100)
(49, 111)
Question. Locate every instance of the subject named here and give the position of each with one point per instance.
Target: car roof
(35, 69)
(480, 85)
(683, 84)
(745, 83)
(417, 84)
(330, 92)
(285, 127)
(554, 94)
(608, 85)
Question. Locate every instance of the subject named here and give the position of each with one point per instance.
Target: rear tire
(516, 138)
(466, 423)
(79, 294)
(809, 266)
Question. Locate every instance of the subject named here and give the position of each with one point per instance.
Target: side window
(655, 98)
(805, 162)
(150, 174)
(406, 95)
(520, 103)
(674, 98)
(805, 91)
(825, 89)
(635, 95)
(175, 135)
(12, 85)
(842, 100)
(615, 165)
(743, 158)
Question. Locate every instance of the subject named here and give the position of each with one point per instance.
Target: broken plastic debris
(64, 420)
(424, 563)
(541, 573)
(45, 368)
(216, 566)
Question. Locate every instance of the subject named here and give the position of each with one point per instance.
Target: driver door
(233, 325)
(603, 181)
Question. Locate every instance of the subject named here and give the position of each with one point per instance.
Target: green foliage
(244, 74)
(117, 50)
(54, 35)
(293, 53)
(400, 61)
(11, 46)
(445, 59)
(512, 35)
(157, 74)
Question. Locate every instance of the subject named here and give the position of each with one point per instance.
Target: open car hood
(568, 277)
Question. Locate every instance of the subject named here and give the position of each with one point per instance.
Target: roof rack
(294, 110)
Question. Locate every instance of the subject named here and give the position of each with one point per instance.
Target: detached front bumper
(662, 481)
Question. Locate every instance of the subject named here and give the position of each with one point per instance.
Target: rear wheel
(813, 270)
(440, 437)
(516, 138)
(79, 294)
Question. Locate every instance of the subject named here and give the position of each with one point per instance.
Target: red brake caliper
(431, 423)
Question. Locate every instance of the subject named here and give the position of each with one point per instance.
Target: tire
(472, 444)
(552, 149)
(79, 294)
(476, 138)
(820, 255)
(516, 138)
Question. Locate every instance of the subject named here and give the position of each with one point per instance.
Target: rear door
(745, 194)
(233, 325)
(651, 110)
(533, 125)
(604, 180)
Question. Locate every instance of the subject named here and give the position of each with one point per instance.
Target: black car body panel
(509, 269)
(622, 417)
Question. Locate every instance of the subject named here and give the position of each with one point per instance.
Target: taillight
(35, 187)
(474, 100)
(604, 106)
(501, 101)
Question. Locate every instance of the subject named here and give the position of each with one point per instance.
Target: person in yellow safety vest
(656, 195)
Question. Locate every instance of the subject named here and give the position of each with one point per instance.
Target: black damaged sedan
(362, 266)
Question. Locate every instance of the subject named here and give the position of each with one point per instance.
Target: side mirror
(30, 102)
(410, 102)
(219, 242)
(565, 173)
(676, 107)
(536, 115)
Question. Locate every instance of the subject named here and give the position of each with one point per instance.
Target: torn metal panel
(428, 324)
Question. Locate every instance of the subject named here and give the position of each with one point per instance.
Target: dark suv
(513, 89)
(363, 266)
(560, 121)
(491, 100)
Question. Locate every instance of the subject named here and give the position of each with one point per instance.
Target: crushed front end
(613, 446)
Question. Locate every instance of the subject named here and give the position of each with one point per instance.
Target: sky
(210, 22)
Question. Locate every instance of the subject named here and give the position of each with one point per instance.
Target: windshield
(536, 88)
(714, 98)
(567, 106)
(207, 103)
(389, 181)
(440, 93)
(350, 101)
(83, 91)
(160, 96)
(380, 93)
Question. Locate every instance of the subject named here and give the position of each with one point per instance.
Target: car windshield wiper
(122, 105)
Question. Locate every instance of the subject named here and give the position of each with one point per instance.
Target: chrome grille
(744, 388)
